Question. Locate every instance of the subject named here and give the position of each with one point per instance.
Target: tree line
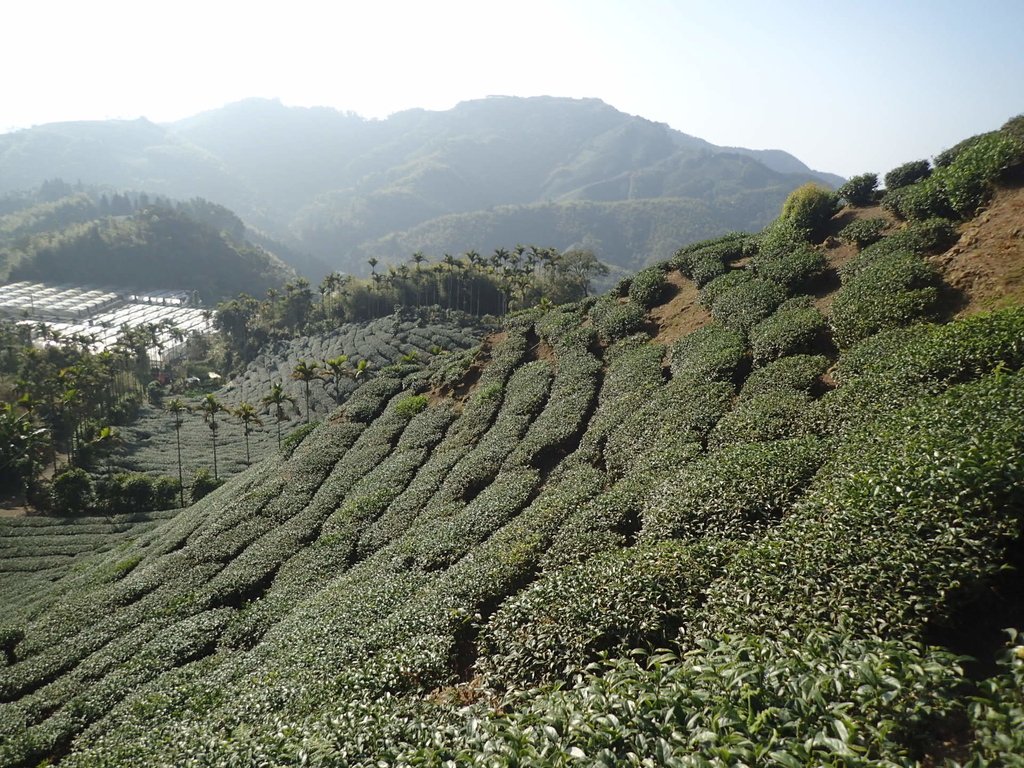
(478, 285)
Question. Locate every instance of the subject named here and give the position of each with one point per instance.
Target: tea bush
(743, 306)
(892, 290)
(863, 232)
(859, 191)
(810, 208)
(647, 287)
(711, 352)
(790, 270)
(794, 328)
(907, 174)
(800, 373)
(731, 492)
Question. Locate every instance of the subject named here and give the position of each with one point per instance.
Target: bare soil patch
(680, 315)
(986, 266)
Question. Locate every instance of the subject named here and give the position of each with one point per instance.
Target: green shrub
(948, 156)
(909, 522)
(724, 282)
(614, 320)
(922, 200)
(792, 329)
(800, 373)
(892, 290)
(743, 306)
(780, 237)
(72, 492)
(125, 493)
(790, 270)
(917, 237)
(963, 180)
(410, 406)
(732, 492)
(863, 232)
(613, 602)
(769, 416)
(859, 190)
(165, 492)
(647, 287)
(713, 352)
(968, 179)
(295, 437)
(810, 208)
(203, 484)
(907, 174)
(706, 260)
(1014, 127)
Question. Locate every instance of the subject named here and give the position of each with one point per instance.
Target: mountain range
(337, 188)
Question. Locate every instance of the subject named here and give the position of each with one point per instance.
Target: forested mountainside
(58, 233)
(334, 184)
(761, 504)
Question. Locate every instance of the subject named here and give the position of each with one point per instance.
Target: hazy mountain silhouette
(342, 187)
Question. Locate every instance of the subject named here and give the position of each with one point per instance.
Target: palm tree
(306, 373)
(177, 408)
(210, 406)
(246, 414)
(337, 370)
(277, 398)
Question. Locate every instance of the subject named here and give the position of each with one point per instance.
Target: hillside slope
(334, 184)
(773, 527)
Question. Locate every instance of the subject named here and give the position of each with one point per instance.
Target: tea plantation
(792, 537)
(149, 443)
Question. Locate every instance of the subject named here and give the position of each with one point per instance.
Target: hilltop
(485, 174)
(760, 504)
(63, 234)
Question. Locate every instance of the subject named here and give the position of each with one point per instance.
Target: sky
(847, 87)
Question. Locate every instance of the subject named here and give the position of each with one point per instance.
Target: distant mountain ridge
(340, 186)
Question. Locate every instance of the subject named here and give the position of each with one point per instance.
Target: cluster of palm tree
(275, 402)
(67, 396)
(335, 370)
(472, 283)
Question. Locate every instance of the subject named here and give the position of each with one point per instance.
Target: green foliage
(704, 261)
(615, 320)
(294, 438)
(203, 483)
(411, 405)
(907, 174)
(902, 495)
(647, 287)
(72, 492)
(794, 328)
(863, 232)
(735, 490)
(810, 208)
(890, 291)
(723, 283)
(743, 306)
(791, 270)
(611, 603)
(963, 179)
(815, 698)
(713, 352)
(800, 373)
(859, 191)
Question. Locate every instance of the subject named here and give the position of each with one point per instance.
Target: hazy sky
(847, 87)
